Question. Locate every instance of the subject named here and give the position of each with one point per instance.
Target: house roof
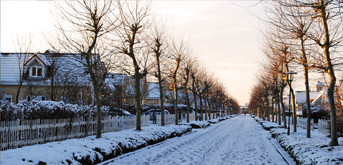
(39, 57)
(301, 96)
(116, 78)
(317, 99)
(153, 90)
(320, 84)
(67, 66)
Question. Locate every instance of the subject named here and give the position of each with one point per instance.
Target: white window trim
(36, 71)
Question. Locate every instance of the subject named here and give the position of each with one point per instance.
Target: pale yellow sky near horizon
(223, 34)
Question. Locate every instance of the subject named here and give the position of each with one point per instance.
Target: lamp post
(289, 80)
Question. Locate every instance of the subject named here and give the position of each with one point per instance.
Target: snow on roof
(153, 90)
(66, 65)
(116, 78)
(9, 67)
(318, 98)
(320, 84)
(301, 96)
(69, 67)
(38, 57)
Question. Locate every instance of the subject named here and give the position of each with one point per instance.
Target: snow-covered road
(238, 141)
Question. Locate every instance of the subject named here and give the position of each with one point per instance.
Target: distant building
(153, 94)
(130, 89)
(301, 98)
(244, 109)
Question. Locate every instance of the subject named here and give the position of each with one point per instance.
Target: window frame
(36, 71)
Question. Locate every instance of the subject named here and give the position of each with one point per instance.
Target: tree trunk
(195, 106)
(52, 93)
(273, 109)
(161, 91)
(201, 108)
(267, 108)
(18, 91)
(206, 111)
(278, 107)
(137, 78)
(188, 104)
(308, 125)
(209, 109)
(99, 112)
(294, 110)
(175, 104)
(334, 141)
(331, 74)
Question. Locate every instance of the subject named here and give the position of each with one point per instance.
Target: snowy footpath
(240, 140)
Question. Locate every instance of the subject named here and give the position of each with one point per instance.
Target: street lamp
(290, 76)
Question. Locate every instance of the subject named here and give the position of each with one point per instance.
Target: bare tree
(186, 76)
(23, 46)
(208, 81)
(178, 51)
(328, 37)
(133, 16)
(159, 48)
(295, 25)
(81, 26)
(195, 71)
(326, 32)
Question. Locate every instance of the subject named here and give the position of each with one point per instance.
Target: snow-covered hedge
(268, 125)
(197, 124)
(206, 123)
(314, 150)
(213, 121)
(90, 150)
(45, 110)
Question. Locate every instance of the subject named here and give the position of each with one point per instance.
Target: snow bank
(90, 150)
(213, 121)
(268, 125)
(314, 150)
(197, 124)
(205, 123)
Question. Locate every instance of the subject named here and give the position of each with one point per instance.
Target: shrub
(32, 110)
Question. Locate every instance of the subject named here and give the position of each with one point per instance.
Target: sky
(224, 35)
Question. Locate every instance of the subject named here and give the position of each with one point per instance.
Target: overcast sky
(225, 35)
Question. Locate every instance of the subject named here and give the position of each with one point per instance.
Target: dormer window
(36, 71)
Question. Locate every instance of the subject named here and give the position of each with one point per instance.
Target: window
(33, 71)
(8, 98)
(39, 72)
(36, 71)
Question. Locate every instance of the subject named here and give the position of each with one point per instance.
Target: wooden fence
(20, 133)
(168, 119)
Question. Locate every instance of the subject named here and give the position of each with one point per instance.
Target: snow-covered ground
(314, 150)
(90, 150)
(240, 140)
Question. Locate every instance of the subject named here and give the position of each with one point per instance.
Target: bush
(33, 110)
(320, 114)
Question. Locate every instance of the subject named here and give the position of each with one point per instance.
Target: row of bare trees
(303, 34)
(123, 36)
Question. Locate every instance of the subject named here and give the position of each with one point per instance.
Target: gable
(36, 60)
